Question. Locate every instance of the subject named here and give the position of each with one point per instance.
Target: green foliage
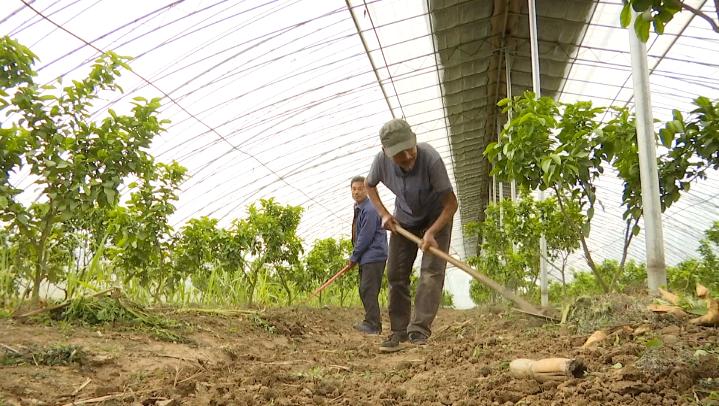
(83, 235)
(274, 244)
(630, 278)
(562, 147)
(693, 147)
(196, 248)
(684, 276)
(447, 300)
(51, 356)
(140, 231)
(656, 13)
(113, 310)
(79, 163)
(326, 258)
(510, 239)
(259, 322)
(8, 278)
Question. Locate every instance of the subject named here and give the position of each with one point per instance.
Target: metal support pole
(654, 238)
(508, 77)
(371, 62)
(543, 277)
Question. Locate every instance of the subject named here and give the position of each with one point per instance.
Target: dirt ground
(298, 356)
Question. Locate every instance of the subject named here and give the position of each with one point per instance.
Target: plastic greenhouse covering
(285, 98)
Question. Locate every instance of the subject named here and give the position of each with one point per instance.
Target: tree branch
(708, 19)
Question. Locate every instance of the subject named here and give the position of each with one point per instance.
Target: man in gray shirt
(425, 204)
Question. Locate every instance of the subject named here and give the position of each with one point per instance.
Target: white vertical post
(493, 193)
(501, 209)
(654, 238)
(500, 185)
(543, 277)
(508, 76)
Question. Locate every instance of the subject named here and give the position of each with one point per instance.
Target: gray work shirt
(418, 192)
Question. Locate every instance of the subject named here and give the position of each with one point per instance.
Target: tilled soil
(298, 356)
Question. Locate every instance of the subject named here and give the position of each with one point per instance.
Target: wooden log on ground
(548, 369)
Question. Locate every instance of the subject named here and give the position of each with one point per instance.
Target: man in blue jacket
(369, 239)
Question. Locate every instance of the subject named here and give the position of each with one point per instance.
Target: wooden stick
(340, 367)
(329, 281)
(506, 293)
(9, 348)
(177, 374)
(192, 376)
(81, 387)
(96, 400)
(222, 312)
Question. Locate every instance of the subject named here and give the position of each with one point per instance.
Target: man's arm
(388, 221)
(449, 207)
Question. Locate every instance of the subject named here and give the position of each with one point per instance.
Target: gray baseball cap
(396, 136)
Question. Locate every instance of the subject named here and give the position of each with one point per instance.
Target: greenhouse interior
(199, 155)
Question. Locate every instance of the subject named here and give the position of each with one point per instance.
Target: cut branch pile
(678, 307)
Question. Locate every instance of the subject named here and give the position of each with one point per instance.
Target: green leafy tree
(563, 148)
(232, 253)
(141, 233)
(274, 245)
(510, 237)
(548, 148)
(78, 163)
(326, 258)
(195, 249)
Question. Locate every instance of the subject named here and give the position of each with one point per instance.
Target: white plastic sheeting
(278, 98)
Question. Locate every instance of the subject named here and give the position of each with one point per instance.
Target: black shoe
(418, 338)
(366, 328)
(392, 343)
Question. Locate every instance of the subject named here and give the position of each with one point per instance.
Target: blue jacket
(369, 239)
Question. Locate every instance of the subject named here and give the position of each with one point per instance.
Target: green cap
(396, 136)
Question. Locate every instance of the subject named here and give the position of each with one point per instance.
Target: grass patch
(262, 324)
(589, 314)
(116, 310)
(50, 356)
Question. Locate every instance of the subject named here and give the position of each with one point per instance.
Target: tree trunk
(286, 288)
(593, 266)
(252, 278)
(585, 248)
(628, 235)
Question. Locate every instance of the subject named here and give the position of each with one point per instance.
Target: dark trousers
(370, 282)
(402, 253)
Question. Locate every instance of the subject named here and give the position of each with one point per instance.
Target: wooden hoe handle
(329, 281)
(487, 281)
